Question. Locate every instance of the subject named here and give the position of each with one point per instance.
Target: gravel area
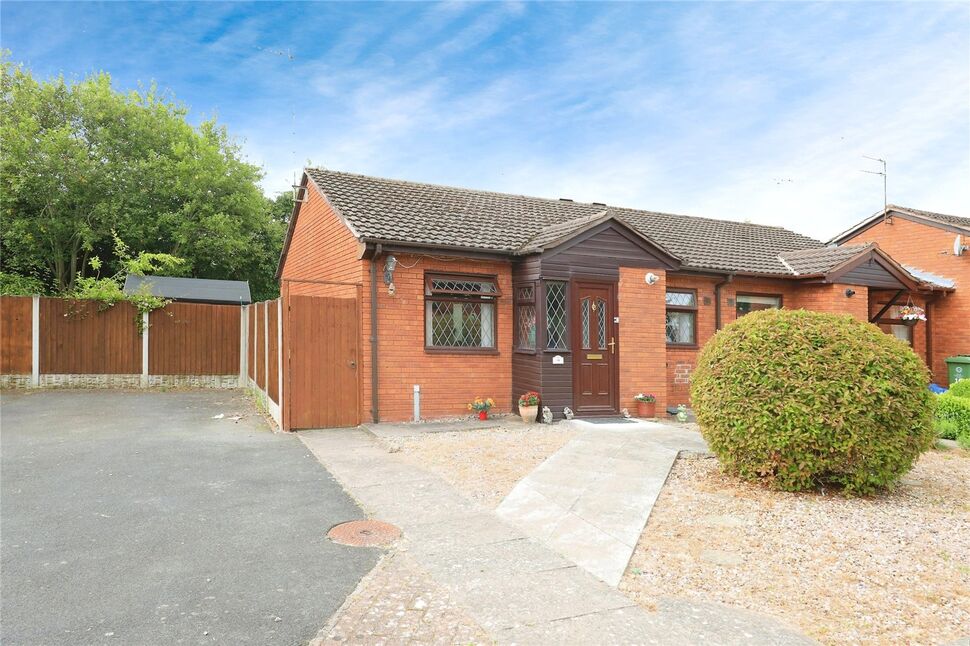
(888, 570)
(485, 464)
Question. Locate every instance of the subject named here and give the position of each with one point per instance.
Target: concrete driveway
(136, 518)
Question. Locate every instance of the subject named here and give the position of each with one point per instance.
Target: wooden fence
(66, 342)
(265, 372)
(47, 342)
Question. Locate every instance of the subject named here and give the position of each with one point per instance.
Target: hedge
(801, 399)
(960, 389)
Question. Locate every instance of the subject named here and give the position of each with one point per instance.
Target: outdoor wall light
(849, 293)
(651, 278)
(389, 265)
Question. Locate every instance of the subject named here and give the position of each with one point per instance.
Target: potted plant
(529, 406)
(481, 406)
(646, 405)
(912, 314)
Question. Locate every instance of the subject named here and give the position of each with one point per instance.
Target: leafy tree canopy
(80, 160)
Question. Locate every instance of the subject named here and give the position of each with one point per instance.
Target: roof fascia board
(290, 227)
(387, 246)
(873, 220)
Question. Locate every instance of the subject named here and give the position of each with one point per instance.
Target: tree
(80, 160)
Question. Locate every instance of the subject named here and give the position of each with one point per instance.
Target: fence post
(266, 348)
(243, 345)
(35, 342)
(279, 355)
(144, 349)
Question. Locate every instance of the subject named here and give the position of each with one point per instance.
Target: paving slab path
(517, 589)
(590, 500)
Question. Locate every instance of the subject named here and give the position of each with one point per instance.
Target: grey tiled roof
(407, 212)
(559, 231)
(955, 220)
(820, 261)
(192, 289)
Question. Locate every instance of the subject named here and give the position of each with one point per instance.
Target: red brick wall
(642, 340)
(832, 298)
(680, 361)
(448, 381)
(931, 249)
(323, 249)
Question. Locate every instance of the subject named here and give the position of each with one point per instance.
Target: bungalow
(935, 247)
(464, 293)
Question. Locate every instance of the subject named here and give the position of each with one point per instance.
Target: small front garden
(825, 505)
(887, 569)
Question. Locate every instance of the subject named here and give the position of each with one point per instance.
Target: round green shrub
(960, 389)
(801, 399)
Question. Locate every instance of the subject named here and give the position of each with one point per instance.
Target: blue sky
(756, 111)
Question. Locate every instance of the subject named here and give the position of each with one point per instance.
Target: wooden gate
(321, 339)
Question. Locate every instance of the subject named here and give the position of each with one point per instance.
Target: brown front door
(596, 350)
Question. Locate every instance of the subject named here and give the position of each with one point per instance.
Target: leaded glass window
(460, 312)
(556, 334)
(601, 322)
(525, 317)
(584, 321)
(681, 317)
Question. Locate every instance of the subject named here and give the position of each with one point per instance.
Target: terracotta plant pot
(483, 414)
(529, 413)
(646, 409)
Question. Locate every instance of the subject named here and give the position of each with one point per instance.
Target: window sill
(466, 351)
(682, 346)
(524, 351)
(548, 351)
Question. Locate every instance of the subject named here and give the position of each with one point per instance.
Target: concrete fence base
(121, 381)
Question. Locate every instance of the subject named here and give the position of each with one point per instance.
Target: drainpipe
(375, 411)
(717, 300)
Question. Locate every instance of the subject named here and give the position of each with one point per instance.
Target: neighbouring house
(464, 293)
(192, 290)
(934, 248)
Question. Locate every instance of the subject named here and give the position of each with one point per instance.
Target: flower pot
(483, 415)
(910, 322)
(646, 409)
(529, 413)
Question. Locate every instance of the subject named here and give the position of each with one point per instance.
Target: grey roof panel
(820, 261)
(192, 289)
(428, 214)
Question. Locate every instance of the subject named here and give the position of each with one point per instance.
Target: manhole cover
(364, 533)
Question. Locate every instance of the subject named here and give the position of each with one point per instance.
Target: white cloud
(712, 116)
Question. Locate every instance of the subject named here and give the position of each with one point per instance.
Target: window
(681, 317)
(747, 303)
(556, 336)
(898, 330)
(460, 312)
(525, 317)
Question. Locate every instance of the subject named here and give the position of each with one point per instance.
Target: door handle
(612, 345)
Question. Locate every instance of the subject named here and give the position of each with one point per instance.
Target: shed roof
(387, 210)
(202, 290)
